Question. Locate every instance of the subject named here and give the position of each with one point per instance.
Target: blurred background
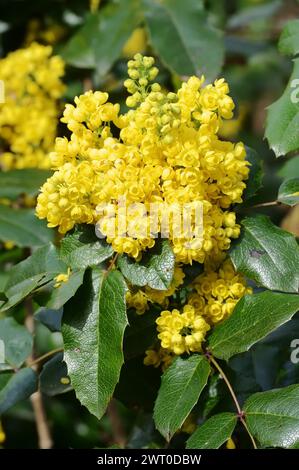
(238, 41)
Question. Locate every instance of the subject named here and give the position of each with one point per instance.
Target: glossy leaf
(17, 340)
(19, 387)
(283, 118)
(93, 327)
(289, 192)
(53, 378)
(267, 254)
(98, 43)
(182, 36)
(289, 39)
(60, 295)
(273, 417)
(290, 169)
(214, 432)
(181, 386)
(41, 267)
(50, 318)
(16, 182)
(81, 248)
(155, 268)
(23, 228)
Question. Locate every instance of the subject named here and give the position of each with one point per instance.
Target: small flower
(61, 278)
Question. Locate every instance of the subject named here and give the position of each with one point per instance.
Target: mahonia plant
(167, 153)
(136, 287)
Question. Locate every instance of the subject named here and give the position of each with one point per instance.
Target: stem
(248, 432)
(116, 424)
(42, 426)
(230, 388)
(266, 204)
(44, 356)
(233, 395)
(87, 84)
(112, 263)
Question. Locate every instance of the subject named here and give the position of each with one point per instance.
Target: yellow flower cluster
(29, 115)
(167, 154)
(217, 292)
(182, 332)
(158, 357)
(213, 298)
(43, 33)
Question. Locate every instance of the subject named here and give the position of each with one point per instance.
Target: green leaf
(289, 39)
(289, 192)
(19, 387)
(254, 317)
(79, 49)
(183, 38)
(82, 248)
(290, 169)
(181, 386)
(251, 14)
(23, 228)
(273, 417)
(283, 118)
(213, 432)
(18, 342)
(155, 268)
(93, 327)
(51, 375)
(60, 295)
(99, 42)
(41, 267)
(50, 318)
(267, 254)
(16, 182)
(254, 182)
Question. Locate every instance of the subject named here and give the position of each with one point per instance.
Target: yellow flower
(136, 43)
(230, 444)
(2, 434)
(61, 278)
(29, 116)
(181, 332)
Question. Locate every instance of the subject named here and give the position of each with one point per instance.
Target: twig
(119, 435)
(228, 384)
(266, 204)
(44, 356)
(87, 84)
(233, 395)
(43, 431)
(112, 263)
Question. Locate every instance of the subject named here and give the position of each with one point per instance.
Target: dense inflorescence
(163, 153)
(29, 115)
(167, 153)
(211, 299)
